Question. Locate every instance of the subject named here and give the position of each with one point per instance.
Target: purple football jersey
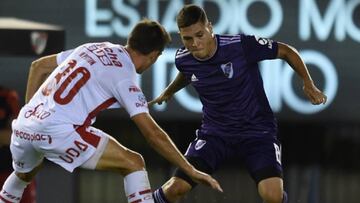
(230, 86)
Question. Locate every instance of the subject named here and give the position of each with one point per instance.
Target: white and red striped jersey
(88, 79)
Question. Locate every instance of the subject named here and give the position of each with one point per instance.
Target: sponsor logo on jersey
(133, 88)
(37, 112)
(227, 69)
(194, 78)
(264, 41)
(199, 144)
(32, 137)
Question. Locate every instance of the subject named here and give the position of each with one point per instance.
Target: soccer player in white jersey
(56, 121)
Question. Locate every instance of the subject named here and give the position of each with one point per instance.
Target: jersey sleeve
(257, 48)
(60, 57)
(130, 97)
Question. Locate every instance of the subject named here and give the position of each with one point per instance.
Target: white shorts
(70, 150)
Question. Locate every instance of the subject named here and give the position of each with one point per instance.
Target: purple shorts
(261, 153)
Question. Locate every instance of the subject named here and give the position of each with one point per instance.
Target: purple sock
(285, 198)
(159, 196)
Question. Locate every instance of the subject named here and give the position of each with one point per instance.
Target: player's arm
(160, 141)
(177, 84)
(292, 57)
(39, 71)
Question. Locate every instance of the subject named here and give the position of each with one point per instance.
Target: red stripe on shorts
(88, 136)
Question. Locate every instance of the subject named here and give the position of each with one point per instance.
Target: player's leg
(205, 154)
(263, 160)
(112, 156)
(180, 184)
(173, 190)
(129, 164)
(118, 158)
(26, 163)
(15, 185)
(271, 190)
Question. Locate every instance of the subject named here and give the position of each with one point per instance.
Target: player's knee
(272, 195)
(135, 161)
(176, 188)
(27, 177)
(271, 190)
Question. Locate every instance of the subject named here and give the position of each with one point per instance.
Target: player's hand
(160, 99)
(204, 178)
(314, 94)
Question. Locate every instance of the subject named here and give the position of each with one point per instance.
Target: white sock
(12, 189)
(137, 188)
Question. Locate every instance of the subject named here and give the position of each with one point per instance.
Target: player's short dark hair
(189, 15)
(148, 36)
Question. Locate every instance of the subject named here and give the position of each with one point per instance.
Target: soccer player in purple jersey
(237, 119)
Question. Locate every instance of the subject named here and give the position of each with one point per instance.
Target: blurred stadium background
(321, 145)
